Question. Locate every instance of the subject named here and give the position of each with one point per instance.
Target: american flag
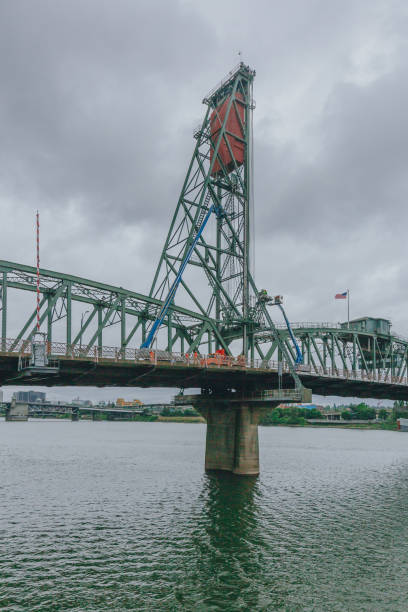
(340, 296)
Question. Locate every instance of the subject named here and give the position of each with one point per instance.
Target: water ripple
(114, 516)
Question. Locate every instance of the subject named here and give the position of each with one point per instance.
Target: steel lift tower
(206, 261)
(206, 258)
(219, 176)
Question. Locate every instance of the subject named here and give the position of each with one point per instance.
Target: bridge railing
(309, 325)
(279, 394)
(55, 350)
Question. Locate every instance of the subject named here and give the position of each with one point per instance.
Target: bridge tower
(218, 278)
(211, 267)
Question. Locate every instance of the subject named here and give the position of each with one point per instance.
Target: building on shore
(78, 402)
(135, 403)
(29, 396)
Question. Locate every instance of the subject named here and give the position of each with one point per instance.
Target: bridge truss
(217, 305)
(118, 318)
(88, 309)
(336, 348)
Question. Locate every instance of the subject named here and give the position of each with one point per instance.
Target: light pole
(82, 324)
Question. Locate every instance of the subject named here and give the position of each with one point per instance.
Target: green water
(120, 516)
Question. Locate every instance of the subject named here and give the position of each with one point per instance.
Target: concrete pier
(232, 437)
(246, 458)
(232, 424)
(17, 411)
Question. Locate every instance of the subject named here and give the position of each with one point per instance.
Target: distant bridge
(112, 412)
(44, 409)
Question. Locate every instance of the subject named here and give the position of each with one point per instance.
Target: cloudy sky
(98, 101)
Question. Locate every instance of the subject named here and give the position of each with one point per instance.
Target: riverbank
(381, 426)
(337, 425)
(180, 419)
(386, 426)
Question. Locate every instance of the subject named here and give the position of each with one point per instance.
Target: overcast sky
(98, 101)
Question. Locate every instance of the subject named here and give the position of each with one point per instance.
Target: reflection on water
(227, 540)
(119, 516)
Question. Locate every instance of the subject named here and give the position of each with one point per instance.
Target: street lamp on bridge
(82, 324)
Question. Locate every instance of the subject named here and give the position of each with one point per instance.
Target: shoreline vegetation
(180, 419)
(338, 425)
(352, 417)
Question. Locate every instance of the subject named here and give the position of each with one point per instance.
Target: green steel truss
(333, 348)
(218, 281)
(220, 263)
(328, 349)
(87, 309)
(217, 303)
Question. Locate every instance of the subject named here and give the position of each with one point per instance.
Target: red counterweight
(234, 134)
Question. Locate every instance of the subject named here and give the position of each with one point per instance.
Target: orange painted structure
(132, 403)
(220, 358)
(234, 136)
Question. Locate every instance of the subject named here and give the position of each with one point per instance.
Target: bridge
(21, 411)
(215, 328)
(336, 375)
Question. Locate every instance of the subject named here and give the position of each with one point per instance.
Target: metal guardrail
(278, 394)
(309, 325)
(224, 81)
(329, 325)
(55, 350)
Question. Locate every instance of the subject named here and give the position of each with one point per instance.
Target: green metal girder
(4, 309)
(82, 330)
(10, 267)
(228, 312)
(340, 352)
(197, 192)
(67, 289)
(337, 348)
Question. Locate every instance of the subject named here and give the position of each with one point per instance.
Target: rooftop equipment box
(370, 325)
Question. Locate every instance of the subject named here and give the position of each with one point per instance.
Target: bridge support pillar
(75, 414)
(232, 437)
(17, 411)
(246, 440)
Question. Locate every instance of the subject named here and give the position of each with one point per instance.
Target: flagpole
(348, 308)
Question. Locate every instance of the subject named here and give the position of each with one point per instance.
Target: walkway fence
(55, 350)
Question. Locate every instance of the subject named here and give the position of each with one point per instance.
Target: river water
(120, 516)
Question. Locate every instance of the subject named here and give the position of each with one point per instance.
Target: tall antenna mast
(38, 361)
(38, 270)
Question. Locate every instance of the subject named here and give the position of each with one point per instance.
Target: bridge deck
(109, 367)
